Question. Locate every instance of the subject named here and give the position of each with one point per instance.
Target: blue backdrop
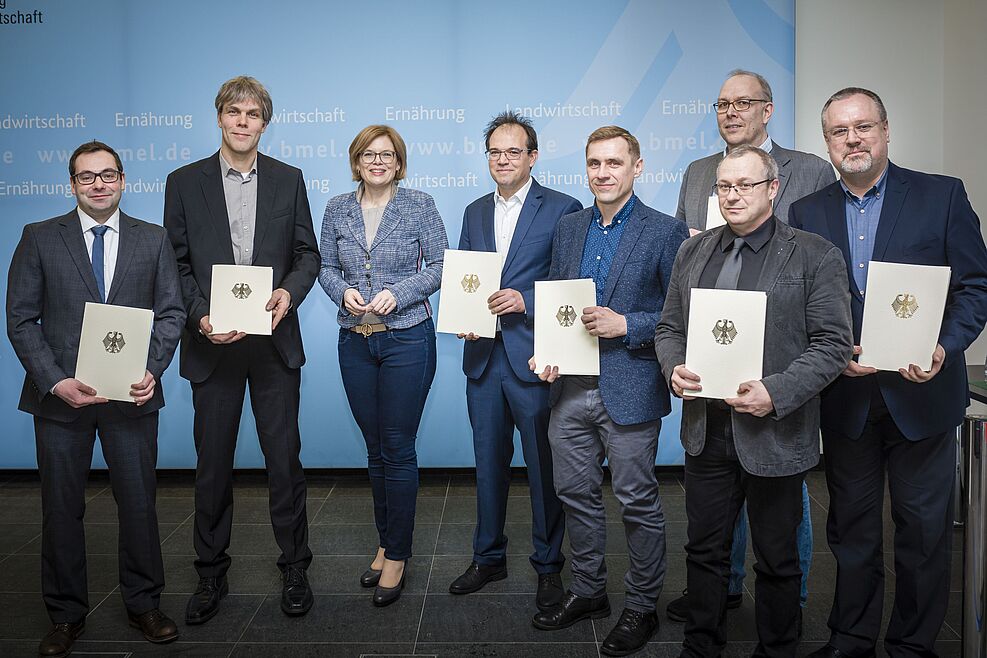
(142, 77)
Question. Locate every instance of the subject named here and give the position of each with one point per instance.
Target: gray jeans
(582, 434)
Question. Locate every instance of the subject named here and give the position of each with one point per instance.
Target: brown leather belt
(366, 330)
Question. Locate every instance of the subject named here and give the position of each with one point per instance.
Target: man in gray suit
(94, 253)
(758, 445)
(743, 110)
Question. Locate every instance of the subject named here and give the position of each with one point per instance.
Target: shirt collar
(621, 215)
(755, 240)
(113, 223)
(877, 189)
(225, 168)
(520, 195)
(766, 146)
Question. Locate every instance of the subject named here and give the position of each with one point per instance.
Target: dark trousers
(920, 482)
(498, 402)
(65, 452)
(387, 377)
(715, 488)
(218, 403)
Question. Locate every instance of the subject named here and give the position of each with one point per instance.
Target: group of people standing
(792, 230)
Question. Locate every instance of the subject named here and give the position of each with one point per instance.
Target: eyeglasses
(841, 133)
(741, 104)
(89, 177)
(743, 189)
(512, 154)
(369, 157)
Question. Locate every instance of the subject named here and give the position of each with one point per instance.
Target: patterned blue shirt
(601, 246)
(862, 218)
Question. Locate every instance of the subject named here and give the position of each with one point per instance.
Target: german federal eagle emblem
(241, 290)
(566, 316)
(113, 342)
(904, 306)
(471, 283)
(724, 331)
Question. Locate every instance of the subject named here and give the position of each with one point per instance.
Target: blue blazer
(528, 260)
(406, 256)
(926, 220)
(631, 384)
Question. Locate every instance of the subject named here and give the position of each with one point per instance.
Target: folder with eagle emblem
(561, 339)
(113, 349)
(468, 280)
(725, 342)
(238, 299)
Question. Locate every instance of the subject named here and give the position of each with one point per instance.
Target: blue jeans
(739, 551)
(387, 377)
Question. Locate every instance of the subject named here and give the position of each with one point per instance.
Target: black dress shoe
(550, 591)
(296, 595)
(633, 630)
(60, 639)
(573, 608)
(385, 596)
(476, 576)
(370, 577)
(829, 651)
(678, 609)
(204, 602)
(156, 626)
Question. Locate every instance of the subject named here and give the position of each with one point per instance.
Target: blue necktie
(98, 232)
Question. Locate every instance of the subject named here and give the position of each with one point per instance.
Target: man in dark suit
(95, 253)
(240, 207)
(627, 249)
(517, 221)
(757, 445)
(743, 109)
(900, 422)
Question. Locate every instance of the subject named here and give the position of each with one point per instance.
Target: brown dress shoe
(60, 639)
(156, 626)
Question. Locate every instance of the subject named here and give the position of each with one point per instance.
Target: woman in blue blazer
(382, 249)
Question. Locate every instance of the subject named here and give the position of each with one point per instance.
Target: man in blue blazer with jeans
(627, 249)
(518, 221)
(899, 422)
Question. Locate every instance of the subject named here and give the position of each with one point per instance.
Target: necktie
(98, 232)
(730, 273)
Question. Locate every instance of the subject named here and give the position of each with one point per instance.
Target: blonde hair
(612, 132)
(363, 140)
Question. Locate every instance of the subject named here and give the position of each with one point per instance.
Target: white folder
(714, 217)
(725, 343)
(238, 299)
(113, 349)
(903, 308)
(561, 339)
(468, 280)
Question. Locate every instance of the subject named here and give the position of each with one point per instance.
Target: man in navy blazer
(94, 253)
(628, 250)
(518, 221)
(902, 421)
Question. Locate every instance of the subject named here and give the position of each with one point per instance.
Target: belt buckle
(365, 330)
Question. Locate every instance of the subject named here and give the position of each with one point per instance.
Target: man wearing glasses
(743, 110)
(904, 422)
(756, 446)
(241, 207)
(518, 221)
(98, 254)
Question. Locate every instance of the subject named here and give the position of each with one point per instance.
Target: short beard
(857, 165)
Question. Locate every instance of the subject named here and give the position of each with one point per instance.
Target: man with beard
(901, 423)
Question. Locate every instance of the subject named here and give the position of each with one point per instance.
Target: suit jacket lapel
(784, 160)
(835, 209)
(212, 190)
(579, 244)
(781, 247)
(354, 222)
(487, 229)
(71, 230)
(267, 186)
(635, 225)
(388, 222)
(895, 190)
(710, 240)
(125, 254)
(528, 211)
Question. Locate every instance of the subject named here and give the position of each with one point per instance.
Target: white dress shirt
(506, 214)
(111, 240)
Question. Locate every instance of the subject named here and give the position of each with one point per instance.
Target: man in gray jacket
(758, 445)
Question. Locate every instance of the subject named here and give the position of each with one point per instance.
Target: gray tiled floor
(427, 621)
